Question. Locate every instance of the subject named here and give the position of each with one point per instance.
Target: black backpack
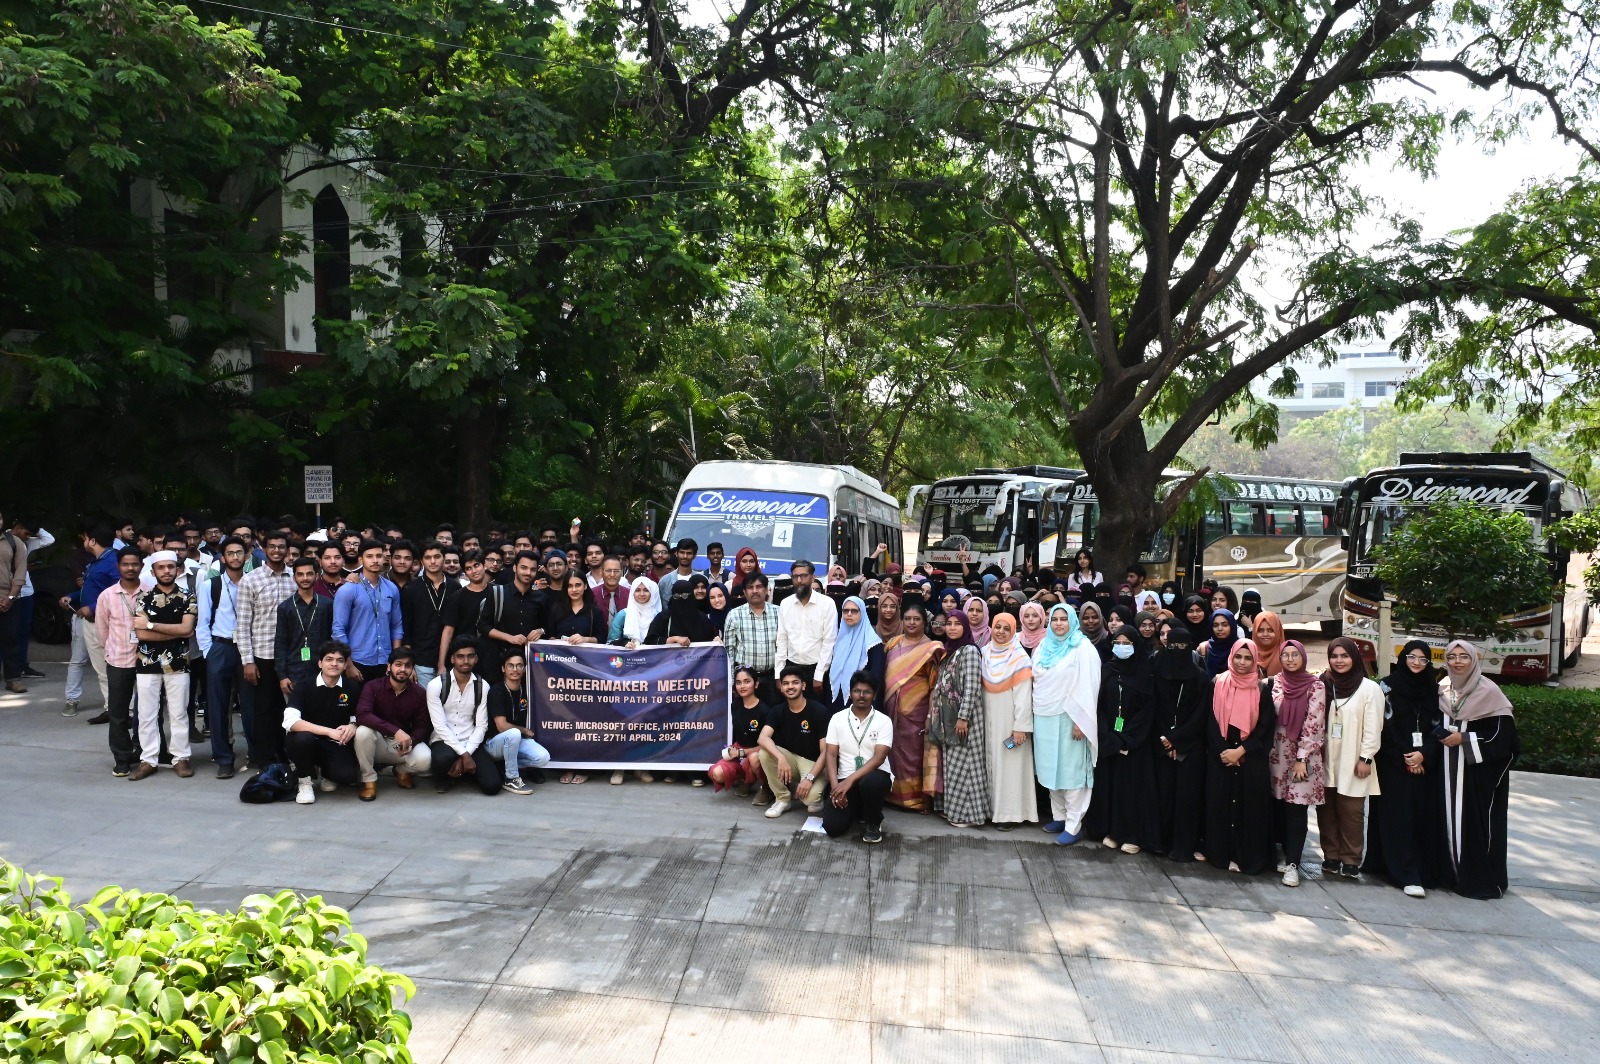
(272, 784)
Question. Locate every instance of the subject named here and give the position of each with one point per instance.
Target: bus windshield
(1379, 520)
(781, 526)
(961, 516)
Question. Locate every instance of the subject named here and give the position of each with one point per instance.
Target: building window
(1379, 388)
(330, 225)
(1328, 390)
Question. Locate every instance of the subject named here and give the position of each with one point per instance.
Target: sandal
(566, 777)
(578, 777)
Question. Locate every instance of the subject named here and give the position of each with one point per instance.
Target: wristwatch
(1366, 760)
(149, 625)
(809, 777)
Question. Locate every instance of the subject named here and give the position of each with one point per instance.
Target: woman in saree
(911, 661)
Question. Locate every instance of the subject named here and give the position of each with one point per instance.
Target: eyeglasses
(1458, 657)
(1424, 658)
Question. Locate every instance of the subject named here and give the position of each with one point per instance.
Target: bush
(130, 977)
(1559, 729)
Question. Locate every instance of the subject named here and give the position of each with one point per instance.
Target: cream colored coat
(1360, 719)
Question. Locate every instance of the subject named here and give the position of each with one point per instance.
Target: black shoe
(32, 673)
(224, 772)
(121, 770)
(1330, 868)
(99, 718)
(1350, 871)
(872, 834)
(535, 776)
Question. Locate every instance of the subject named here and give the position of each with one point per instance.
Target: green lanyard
(866, 726)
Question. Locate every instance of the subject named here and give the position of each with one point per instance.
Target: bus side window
(1216, 526)
(1330, 527)
(1283, 519)
(1245, 519)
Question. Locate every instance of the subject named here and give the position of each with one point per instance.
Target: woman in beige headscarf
(1480, 746)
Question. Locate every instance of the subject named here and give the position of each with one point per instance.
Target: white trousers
(1069, 807)
(150, 686)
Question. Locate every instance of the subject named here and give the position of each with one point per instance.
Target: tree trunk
(1126, 479)
(475, 436)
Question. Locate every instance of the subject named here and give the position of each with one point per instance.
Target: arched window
(330, 227)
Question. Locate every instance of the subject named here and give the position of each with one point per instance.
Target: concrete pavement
(655, 922)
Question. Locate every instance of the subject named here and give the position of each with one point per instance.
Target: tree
(1463, 567)
(1088, 183)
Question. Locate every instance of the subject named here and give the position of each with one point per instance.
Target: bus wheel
(1332, 629)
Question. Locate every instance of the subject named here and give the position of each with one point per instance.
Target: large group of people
(1143, 719)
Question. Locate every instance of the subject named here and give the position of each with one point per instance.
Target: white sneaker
(1130, 847)
(1109, 843)
(616, 778)
(1291, 875)
(1283, 866)
(777, 809)
(306, 795)
(326, 785)
(1414, 891)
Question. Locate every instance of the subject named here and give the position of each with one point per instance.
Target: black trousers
(269, 737)
(308, 753)
(865, 803)
(1289, 823)
(372, 672)
(488, 774)
(119, 707)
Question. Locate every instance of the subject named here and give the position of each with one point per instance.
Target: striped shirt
(751, 638)
(114, 613)
(256, 626)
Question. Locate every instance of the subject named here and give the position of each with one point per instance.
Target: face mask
(1167, 598)
(1122, 650)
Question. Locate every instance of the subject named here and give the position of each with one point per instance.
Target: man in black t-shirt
(424, 605)
(163, 623)
(511, 617)
(461, 612)
(321, 726)
(791, 745)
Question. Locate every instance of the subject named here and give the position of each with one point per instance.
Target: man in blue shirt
(217, 598)
(86, 649)
(366, 615)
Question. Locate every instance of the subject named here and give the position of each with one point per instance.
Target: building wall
(1366, 377)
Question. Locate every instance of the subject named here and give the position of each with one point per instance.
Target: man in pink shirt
(114, 614)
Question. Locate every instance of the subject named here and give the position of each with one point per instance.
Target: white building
(1365, 377)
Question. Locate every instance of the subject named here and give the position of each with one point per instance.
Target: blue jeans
(223, 678)
(516, 752)
(425, 674)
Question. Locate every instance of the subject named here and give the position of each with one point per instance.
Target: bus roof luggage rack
(1056, 472)
(1513, 459)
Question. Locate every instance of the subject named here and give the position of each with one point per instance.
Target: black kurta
(1403, 834)
(1183, 705)
(1125, 805)
(1475, 794)
(1239, 800)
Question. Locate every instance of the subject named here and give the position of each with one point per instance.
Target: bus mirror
(1344, 544)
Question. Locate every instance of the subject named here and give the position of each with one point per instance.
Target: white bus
(1548, 636)
(786, 511)
(999, 516)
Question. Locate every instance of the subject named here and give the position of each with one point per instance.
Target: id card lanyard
(305, 631)
(1116, 725)
(866, 726)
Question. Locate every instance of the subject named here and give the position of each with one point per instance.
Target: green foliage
(1559, 729)
(1581, 533)
(129, 976)
(1461, 566)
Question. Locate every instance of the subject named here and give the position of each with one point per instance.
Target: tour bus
(1549, 635)
(1273, 534)
(998, 516)
(786, 511)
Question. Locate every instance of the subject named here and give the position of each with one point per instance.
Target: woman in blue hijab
(857, 646)
(1224, 634)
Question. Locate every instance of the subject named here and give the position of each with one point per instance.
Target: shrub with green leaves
(1462, 567)
(1559, 728)
(130, 977)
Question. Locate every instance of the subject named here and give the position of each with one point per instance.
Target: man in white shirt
(808, 624)
(458, 709)
(856, 757)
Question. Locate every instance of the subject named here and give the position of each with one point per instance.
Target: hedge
(131, 977)
(1559, 728)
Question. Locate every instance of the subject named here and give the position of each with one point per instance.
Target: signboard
(319, 484)
(602, 707)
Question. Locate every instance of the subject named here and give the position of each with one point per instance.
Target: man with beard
(808, 623)
(163, 622)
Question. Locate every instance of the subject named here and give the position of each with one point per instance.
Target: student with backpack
(458, 710)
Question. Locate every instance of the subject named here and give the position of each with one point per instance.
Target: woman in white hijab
(631, 625)
(1480, 746)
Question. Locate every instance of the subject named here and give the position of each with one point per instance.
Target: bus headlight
(1356, 621)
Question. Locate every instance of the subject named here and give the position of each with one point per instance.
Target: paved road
(660, 923)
